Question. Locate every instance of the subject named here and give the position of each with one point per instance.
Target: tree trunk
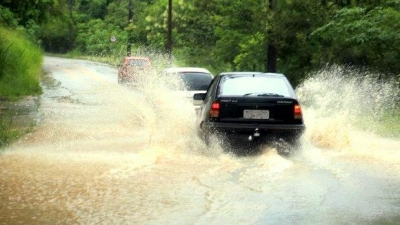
(70, 46)
(169, 33)
(130, 18)
(272, 55)
(271, 48)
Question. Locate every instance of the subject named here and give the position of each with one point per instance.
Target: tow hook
(256, 134)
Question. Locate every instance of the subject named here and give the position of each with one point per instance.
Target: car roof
(251, 73)
(136, 57)
(240, 73)
(186, 69)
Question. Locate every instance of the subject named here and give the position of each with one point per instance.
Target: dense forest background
(293, 37)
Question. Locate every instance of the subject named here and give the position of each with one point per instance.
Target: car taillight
(214, 111)
(297, 112)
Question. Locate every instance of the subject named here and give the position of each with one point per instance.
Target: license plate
(256, 114)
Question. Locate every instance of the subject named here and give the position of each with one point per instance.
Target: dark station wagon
(253, 107)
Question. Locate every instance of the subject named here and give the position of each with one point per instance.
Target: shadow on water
(242, 147)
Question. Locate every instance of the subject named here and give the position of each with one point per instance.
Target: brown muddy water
(104, 153)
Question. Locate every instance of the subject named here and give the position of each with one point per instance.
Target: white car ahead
(192, 79)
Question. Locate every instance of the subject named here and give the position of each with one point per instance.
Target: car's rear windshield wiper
(264, 94)
(249, 94)
(270, 94)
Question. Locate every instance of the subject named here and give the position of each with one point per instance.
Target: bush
(20, 65)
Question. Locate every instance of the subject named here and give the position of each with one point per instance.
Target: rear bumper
(293, 130)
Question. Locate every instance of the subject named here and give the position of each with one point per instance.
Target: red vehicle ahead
(131, 67)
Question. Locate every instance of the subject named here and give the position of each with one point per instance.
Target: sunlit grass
(20, 65)
(20, 71)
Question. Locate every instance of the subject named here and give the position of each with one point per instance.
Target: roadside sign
(113, 39)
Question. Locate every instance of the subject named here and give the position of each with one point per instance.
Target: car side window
(211, 89)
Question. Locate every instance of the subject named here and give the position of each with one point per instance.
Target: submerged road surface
(104, 153)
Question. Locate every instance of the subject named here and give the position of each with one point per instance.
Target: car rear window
(242, 85)
(195, 81)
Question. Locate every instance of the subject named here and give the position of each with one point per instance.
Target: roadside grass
(20, 65)
(7, 132)
(20, 70)
(387, 125)
(11, 129)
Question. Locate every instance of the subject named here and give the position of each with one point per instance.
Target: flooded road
(106, 154)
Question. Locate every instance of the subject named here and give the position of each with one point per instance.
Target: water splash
(337, 101)
(170, 114)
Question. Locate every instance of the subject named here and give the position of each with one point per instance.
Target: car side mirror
(199, 96)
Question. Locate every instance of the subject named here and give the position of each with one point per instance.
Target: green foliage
(27, 13)
(27, 10)
(358, 36)
(194, 32)
(221, 35)
(57, 33)
(20, 65)
(251, 57)
(207, 33)
(292, 26)
(239, 25)
(53, 35)
(117, 14)
(94, 38)
(156, 24)
(93, 9)
(7, 18)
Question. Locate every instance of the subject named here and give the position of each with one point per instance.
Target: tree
(28, 13)
(57, 33)
(8, 18)
(237, 27)
(271, 46)
(293, 25)
(360, 37)
(94, 38)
